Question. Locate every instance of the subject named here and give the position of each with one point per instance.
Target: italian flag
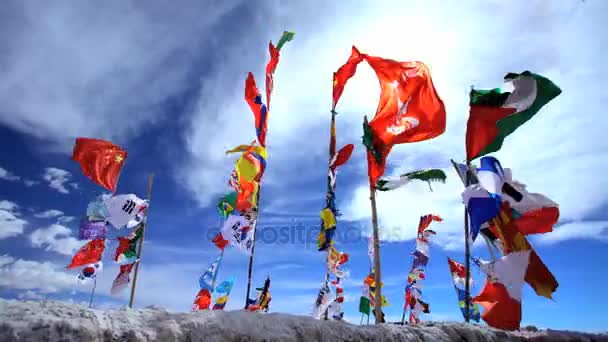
(495, 114)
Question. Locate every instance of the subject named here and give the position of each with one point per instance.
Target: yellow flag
(328, 218)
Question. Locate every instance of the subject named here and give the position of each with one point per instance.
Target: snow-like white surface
(59, 321)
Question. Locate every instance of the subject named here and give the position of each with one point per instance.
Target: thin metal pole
(250, 270)
(141, 242)
(217, 270)
(93, 292)
(467, 254)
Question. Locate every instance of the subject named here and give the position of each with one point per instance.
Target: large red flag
(89, 253)
(270, 68)
(410, 110)
(501, 311)
(344, 74)
(100, 160)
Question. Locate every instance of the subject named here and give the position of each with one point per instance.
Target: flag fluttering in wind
(122, 279)
(483, 200)
(90, 272)
(410, 110)
(262, 303)
(92, 229)
(459, 274)
(495, 114)
(126, 252)
(100, 160)
(202, 301)
(125, 210)
(236, 231)
(206, 280)
(253, 95)
(90, 253)
(249, 170)
(343, 74)
(431, 175)
(223, 291)
(416, 275)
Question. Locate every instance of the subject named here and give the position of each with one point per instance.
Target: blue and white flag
(206, 280)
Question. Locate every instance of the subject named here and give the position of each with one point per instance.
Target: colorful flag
(90, 253)
(122, 279)
(227, 204)
(223, 291)
(474, 312)
(431, 175)
(126, 252)
(238, 231)
(202, 300)
(125, 210)
(500, 310)
(509, 270)
(343, 74)
(260, 112)
(206, 280)
(92, 229)
(335, 260)
(273, 62)
(341, 157)
(101, 161)
(90, 271)
(495, 114)
(410, 110)
(537, 274)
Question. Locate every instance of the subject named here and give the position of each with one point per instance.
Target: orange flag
(89, 253)
(409, 110)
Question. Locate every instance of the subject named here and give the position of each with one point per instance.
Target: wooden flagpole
(377, 271)
(250, 270)
(141, 242)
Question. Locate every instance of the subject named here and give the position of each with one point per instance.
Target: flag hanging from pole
(100, 160)
(90, 253)
(410, 110)
(343, 74)
(122, 279)
(495, 114)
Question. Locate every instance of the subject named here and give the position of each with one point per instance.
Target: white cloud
(30, 183)
(56, 238)
(86, 76)
(65, 219)
(8, 176)
(45, 276)
(49, 213)
(597, 230)
(29, 294)
(10, 223)
(57, 179)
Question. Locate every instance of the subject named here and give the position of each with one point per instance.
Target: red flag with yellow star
(100, 160)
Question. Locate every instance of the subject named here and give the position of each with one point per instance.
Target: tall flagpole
(467, 253)
(377, 271)
(257, 214)
(332, 151)
(141, 242)
(93, 292)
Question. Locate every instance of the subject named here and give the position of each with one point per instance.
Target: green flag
(494, 114)
(286, 37)
(364, 306)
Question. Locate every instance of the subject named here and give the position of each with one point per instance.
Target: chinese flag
(409, 110)
(89, 253)
(100, 160)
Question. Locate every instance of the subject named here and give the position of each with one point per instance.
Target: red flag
(270, 68)
(260, 112)
(202, 300)
(100, 160)
(457, 269)
(89, 253)
(410, 110)
(344, 74)
(342, 156)
(219, 241)
(426, 220)
(501, 311)
(122, 279)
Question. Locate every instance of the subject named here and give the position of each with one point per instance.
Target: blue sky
(166, 83)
